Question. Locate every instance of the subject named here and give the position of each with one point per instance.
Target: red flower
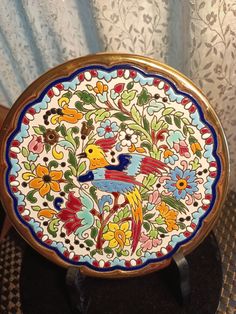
(69, 214)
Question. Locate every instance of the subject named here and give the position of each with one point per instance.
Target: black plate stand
(43, 288)
(79, 299)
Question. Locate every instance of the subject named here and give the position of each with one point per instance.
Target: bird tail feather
(134, 199)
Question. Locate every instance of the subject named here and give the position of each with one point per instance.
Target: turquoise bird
(120, 179)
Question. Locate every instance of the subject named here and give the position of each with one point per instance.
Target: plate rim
(149, 66)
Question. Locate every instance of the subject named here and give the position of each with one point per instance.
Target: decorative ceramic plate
(113, 163)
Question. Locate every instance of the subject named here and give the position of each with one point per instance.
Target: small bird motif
(120, 179)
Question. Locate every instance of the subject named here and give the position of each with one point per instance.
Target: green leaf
(192, 140)
(190, 130)
(148, 216)
(68, 187)
(68, 175)
(69, 137)
(49, 197)
(52, 227)
(173, 202)
(68, 94)
(146, 145)
(125, 252)
(165, 126)
(27, 165)
(93, 252)
(116, 219)
(146, 124)
(179, 114)
(89, 114)
(128, 96)
(47, 147)
(36, 208)
(141, 129)
(42, 128)
(63, 130)
(37, 130)
(90, 122)
(143, 97)
(161, 229)
(94, 232)
(98, 224)
(156, 125)
(148, 183)
(73, 170)
(139, 252)
(160, 220)
(130, 85)
(77, 141)
(185, 121)
(146, 226)
(181, 225)
(30, 196)
(136, 115)
(120, 116)
(86, 97)
(195, 163)
(120, 215)
(168, 111)
(101, 114)
(89, 243)
(198, 153)
(185, 130)
(80, 106)
(53, 164)
(108, 250)
(168, 119)
(72, 160)
(81, 168)
(153, 234)
(25, 152)
(58, 128)
(177, 121)
(92, 192)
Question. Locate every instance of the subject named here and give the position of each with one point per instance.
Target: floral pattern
(118, 112)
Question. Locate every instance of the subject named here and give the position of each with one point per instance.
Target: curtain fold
(197, 37)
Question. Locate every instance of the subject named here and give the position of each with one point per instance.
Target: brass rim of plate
(152, 67)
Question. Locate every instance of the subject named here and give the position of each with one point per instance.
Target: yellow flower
(196, 147)
(169, 216)
(46, 180)
(118, 235)
(100, 88)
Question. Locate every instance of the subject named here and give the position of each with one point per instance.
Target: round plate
(113, 163)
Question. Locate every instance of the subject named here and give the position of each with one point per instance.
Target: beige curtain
(196, 37)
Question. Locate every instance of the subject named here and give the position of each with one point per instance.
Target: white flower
(128, 138)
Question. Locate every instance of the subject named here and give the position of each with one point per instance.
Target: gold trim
(148, 65)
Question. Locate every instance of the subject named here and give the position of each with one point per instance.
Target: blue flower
(181, 183)
(107, 128)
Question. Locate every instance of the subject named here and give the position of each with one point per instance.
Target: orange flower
(100, 88)
(196, 147)
(168, 153)
(68, 115)
(46, 180)
(169, 216)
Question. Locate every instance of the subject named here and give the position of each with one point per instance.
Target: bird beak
(82, 155)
